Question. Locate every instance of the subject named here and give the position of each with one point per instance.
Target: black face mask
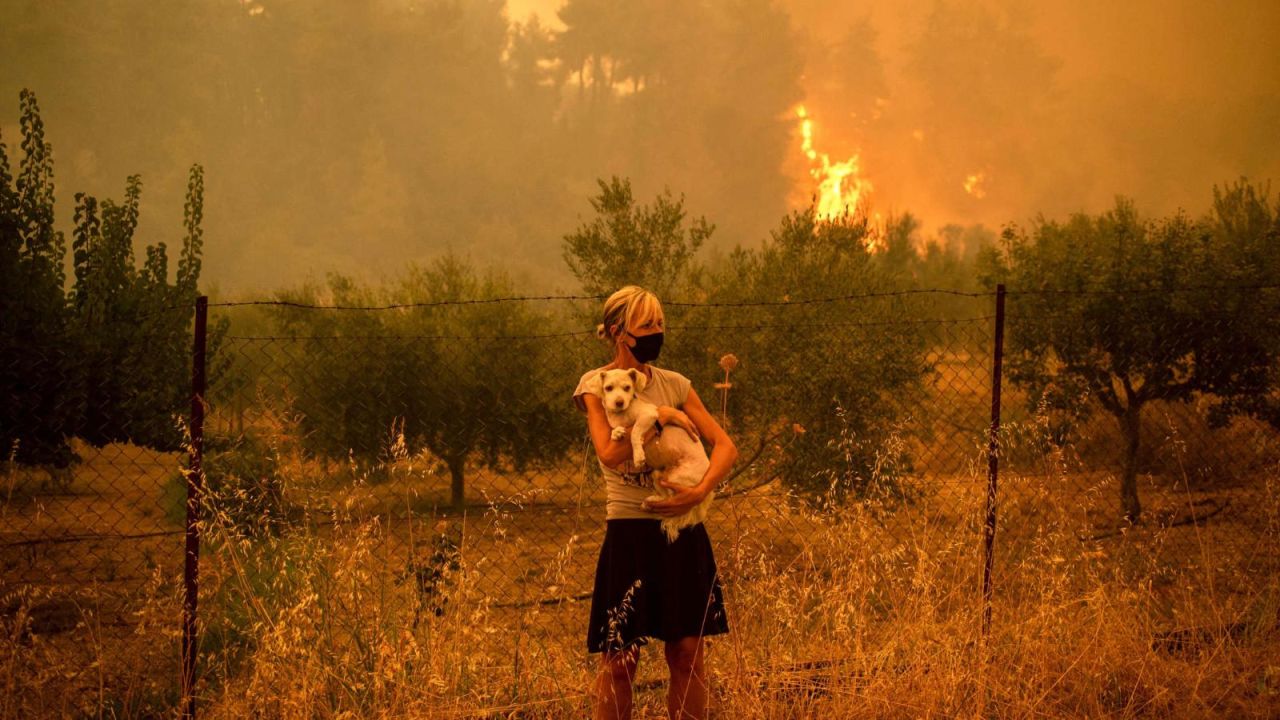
(647, 347)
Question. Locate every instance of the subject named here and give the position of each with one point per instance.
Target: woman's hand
(683, 501)
(668, 415)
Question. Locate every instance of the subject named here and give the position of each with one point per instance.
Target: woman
(646, 587)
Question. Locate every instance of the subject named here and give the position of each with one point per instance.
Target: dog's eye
(608, 388)
(626, 389)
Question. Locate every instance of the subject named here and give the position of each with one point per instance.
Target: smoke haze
(361, 136)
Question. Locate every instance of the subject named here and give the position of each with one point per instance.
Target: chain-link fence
(447, 432)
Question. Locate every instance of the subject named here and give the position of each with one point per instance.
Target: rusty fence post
(993, 463)
(195, 485)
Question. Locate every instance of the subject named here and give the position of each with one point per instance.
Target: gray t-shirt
(627, 487)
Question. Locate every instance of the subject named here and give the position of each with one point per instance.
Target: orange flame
(973, 184)
(840, 184)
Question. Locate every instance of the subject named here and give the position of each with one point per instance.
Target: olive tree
(828, 379)
(1115, 311)
(634, 244)
(456, 369)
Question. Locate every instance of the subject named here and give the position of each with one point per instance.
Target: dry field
(867, 612)
(377, 601)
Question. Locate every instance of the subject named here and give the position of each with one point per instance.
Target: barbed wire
(157, 312)
(831, 298)
(269, 338)
(1137, 291)
(756, 326)
(401, 306)
(526, 298)
(749, 303)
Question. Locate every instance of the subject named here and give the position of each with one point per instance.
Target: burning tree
(1102, 314)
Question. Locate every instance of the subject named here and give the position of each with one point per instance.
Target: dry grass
(871, 610)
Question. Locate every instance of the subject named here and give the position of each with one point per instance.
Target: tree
(132, 325)
(851, 84)
(460, 377)
(626, 244)
(835, 368)
(1104, 316)
(897, 257)
(981, 89)
(37, 413)
(532, 69)
(107, 362)
(1244, 232)
(674, 93)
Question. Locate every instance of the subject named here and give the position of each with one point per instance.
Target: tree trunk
(456, 485)
(1131, 423)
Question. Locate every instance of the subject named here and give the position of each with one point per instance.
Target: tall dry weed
(866, 607)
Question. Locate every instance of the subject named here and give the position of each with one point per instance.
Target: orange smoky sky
(1156, 99)
(362, 137)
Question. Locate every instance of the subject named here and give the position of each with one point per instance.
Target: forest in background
(1118, 308)
(344, 136)
(446, 151)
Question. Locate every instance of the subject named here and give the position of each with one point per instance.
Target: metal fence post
(993, 463)
(195, 485)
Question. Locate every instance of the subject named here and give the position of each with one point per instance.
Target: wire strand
(745, 303)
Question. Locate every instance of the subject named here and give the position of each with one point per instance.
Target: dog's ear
(602, 374)
(638, 378)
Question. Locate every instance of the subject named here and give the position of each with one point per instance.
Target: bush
(842, 371)
(460, 378)
(244, 487)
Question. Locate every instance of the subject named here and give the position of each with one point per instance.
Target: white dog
(675, 455)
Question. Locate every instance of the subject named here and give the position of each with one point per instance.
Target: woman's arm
(614, 452)
(723, 454)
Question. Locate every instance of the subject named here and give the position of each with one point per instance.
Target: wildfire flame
(840, 184)
(973, 185)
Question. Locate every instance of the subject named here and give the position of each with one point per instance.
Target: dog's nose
(618, 403)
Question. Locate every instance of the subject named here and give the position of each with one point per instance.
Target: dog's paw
(637, 458)
(619, 433)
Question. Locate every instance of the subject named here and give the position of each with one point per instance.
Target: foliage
(626, 244)
(1244, 241)
(108, 361)
(1100, 315)
(36, 342)
(947, 261)
(134, 325)
(460, 377)
(830, 367)
(245, 484)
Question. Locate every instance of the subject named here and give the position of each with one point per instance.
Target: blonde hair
(629, 307)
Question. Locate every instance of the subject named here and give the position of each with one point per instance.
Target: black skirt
(647, 587)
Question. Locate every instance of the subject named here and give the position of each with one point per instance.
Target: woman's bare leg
(613, 684)
(687, 695)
